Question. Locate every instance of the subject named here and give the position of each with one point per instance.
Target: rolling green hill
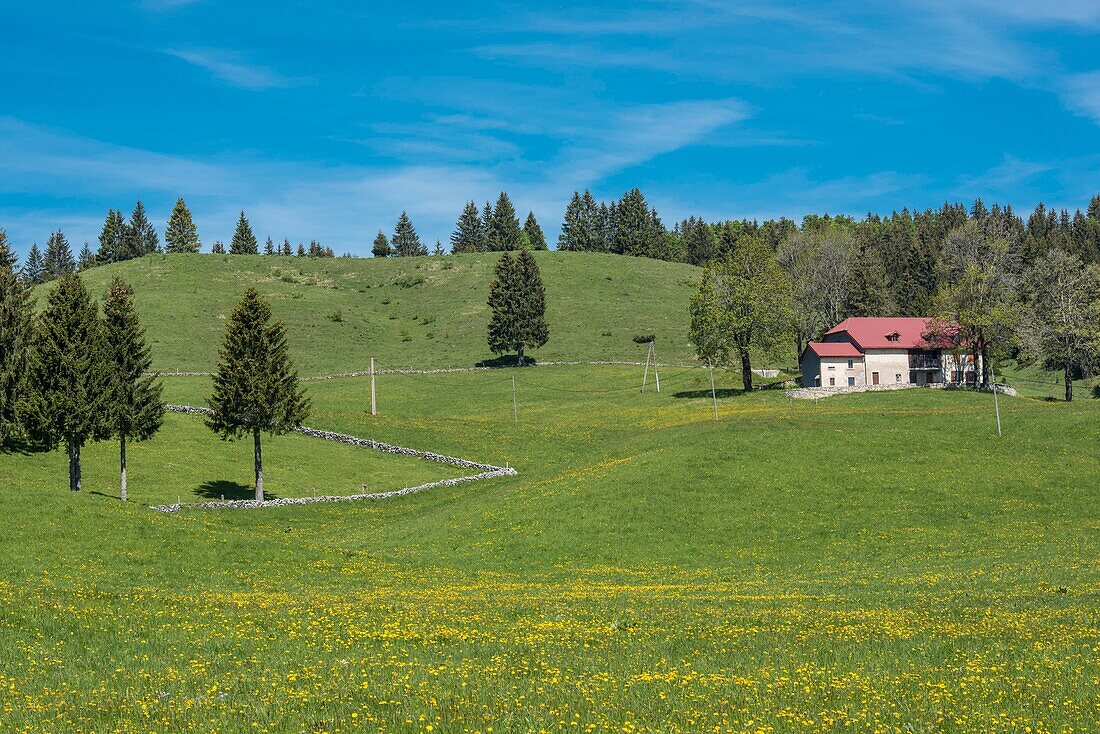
(406, 312)
(871, 562)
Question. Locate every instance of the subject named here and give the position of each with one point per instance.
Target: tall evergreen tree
(699, 241)
(301, 251)
(1093, 212)
(269, 247)
(134, 409)
(256, 386)
(244, 242)
(486, 223)
(517, 300)
(534, 233)
(181, 234)
(503, 233)
(469, 234)
(217, 248)
(16, 307)
(286, 251)
(583, 228)
(34, 270)
(406, 243)
(86, 259)
(381, 246)
(59, 257)
(438, 251)
(112, 238)
(67, 392)
(139, 236)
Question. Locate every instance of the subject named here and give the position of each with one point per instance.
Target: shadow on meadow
(508, 360)
(722, 392)
(216, 489)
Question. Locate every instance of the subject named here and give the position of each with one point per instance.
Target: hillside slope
(408, 312)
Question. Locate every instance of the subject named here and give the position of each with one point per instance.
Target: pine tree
(112, 238)
(438, 251)
(301, 252)
(34, 270)
(503, 233)
(1093, 212)
(269, 247)
(181, 234)
(469, 234)
(244, 242)
(287, 251)
(59, 257)
(534, 233)
(135, 409)
(486, 222)
(255, 386)
(87, 258)
(16, 307)
(699, 241)
(583, 228)
(68, 381)
(632, 231)
(518, 303)
(218, 248)
(406, 243)
(381, 246)
(139, 236)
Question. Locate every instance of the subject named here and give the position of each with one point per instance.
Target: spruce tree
(287, 251)
(243, 242)
(486, 222)
(503, 233)
(139, 236)
(631, 225)
(1093, 212)
(181, 234)
(269, 247)
(59, 257)
(469, 233)
(534, 233)
(67, 390)
(86, 259)
(301, 252)
(406, 243)
(438, 251)
(34, 271)
(16, 307)
(135, 410)
(255, 386)
(112, 238)
(517, 300)
(218, 248)
(381, 246)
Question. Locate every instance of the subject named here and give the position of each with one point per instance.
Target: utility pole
(515, 411)
(373, 398)
(656, 374)
(713, 394)
(645, 374)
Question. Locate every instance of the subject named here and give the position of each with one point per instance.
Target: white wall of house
(892, 366)
(835, 371)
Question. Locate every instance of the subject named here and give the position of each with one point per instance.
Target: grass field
(791, 568)
(406, 312)
(867, 563)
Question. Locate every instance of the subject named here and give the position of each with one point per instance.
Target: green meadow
(865, 563)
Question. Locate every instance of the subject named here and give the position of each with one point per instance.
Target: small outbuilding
(869, 351)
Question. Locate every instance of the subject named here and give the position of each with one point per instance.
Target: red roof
(834, 349)
(875, 332)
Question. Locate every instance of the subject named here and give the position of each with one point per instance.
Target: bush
(644, 338)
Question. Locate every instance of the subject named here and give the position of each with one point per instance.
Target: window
(850, 364)
(851, 382)
(832, 366)
(897, 377)
(874, 378)
(817, 381)
(832, 382)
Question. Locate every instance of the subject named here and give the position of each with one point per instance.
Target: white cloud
(1081, 94)
(228, 67)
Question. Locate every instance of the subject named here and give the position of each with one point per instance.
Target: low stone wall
(487, 471)
(816, 393)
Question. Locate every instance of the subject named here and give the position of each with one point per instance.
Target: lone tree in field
(1061, 322)
(181, 234)
(135, 410)
(255, 386)
(68, 383)
(518, 302)
(16, 306)
(244, 242)
(751, 301)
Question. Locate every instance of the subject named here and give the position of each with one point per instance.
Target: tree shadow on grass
(722, 392)
(508, 360)
(215, 489)
(16, 445)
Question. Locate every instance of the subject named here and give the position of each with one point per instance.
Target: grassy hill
(872, 562)
(406, 312)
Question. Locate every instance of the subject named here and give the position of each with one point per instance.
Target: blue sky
(325, 119)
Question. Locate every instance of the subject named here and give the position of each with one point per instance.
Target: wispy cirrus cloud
(229, 67)
(1081, 94)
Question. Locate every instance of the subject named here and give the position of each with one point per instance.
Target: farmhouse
(882, 351)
